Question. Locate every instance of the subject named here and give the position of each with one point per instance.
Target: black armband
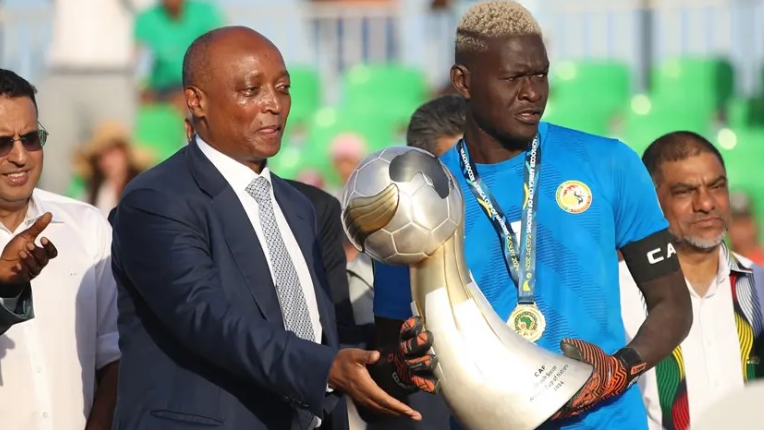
(652, 257)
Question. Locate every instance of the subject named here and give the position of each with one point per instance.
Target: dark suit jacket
(201, 332)
(332, 237)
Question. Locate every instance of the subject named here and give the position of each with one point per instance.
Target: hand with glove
(409, 366)
(611, 376)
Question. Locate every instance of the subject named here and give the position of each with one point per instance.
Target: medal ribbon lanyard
(522, 267)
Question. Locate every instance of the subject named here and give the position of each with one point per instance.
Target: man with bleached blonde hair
(584, 197)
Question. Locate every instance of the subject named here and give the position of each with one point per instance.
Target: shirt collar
(729, 260)
(728, 263)
(38, 206)
(236, 174)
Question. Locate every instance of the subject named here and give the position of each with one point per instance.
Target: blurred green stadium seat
(648, 119)
(572, 114)
(742, 146)
(288, 162)
(701, 82)
(389, 86)
(602, 85)
(159, 128)
(306, 94)
(743, 152)
(379, 130)
(745, 112)
(293, 160)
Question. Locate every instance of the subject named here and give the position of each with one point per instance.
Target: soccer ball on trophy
(408, 202)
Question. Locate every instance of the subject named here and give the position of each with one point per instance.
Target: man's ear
(460, 79)
(196, 102)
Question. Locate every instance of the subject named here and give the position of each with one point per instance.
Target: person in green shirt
(167, 30)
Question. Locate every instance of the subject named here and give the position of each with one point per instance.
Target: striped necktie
(294, 308)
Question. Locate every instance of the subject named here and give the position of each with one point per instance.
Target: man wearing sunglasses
(58, 370)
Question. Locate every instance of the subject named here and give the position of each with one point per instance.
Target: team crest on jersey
(574, 197)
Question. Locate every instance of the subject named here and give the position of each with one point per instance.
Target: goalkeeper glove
(612, 374)
(411, 365)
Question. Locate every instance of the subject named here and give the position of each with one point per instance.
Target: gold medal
(528, 322)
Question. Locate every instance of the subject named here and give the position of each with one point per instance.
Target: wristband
(633, 364)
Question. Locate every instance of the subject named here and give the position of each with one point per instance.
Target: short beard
(698, 244)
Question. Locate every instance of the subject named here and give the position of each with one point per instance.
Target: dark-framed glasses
(32, 141)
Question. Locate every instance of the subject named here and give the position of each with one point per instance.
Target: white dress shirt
(48, 364)
(711, 351)
(239, 177)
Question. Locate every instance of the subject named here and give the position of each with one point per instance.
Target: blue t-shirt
(595, 196)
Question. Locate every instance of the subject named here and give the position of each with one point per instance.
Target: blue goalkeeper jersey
(595, 196)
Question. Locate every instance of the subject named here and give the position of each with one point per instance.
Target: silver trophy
(402, 206)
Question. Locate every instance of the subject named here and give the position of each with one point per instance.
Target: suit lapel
(245, 247)
(239, 234)
(297, 211)
(248, 254)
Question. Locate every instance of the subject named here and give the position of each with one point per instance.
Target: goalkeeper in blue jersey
(592, 197)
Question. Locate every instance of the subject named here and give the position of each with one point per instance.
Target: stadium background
(631, 69)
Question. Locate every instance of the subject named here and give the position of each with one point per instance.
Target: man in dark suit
(225, 315)
(331, 237)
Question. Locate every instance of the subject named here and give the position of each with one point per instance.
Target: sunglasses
(32, 141)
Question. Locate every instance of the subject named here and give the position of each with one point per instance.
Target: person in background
(90, 77)
(724, 348)
(346, 151)
(591, 196)
(107, 163)
(166, 30)
(744, 228)
(437, 125)
(58, 370)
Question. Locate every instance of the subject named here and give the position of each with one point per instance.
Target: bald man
(225, 315)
